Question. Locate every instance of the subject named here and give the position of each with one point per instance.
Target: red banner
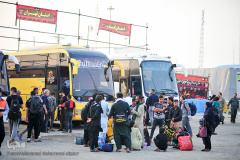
(36, 14)
(192, 86)
(115, 27)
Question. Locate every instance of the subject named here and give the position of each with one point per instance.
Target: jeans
(51, 116)
(14, 125)
(159, 122)
(68, 118)
(185, 123)
(221, 115)
(233, 114)
(46, 121)
(151, 114)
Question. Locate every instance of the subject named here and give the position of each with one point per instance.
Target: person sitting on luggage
(136, 137)
(182, 132)
(161, 141)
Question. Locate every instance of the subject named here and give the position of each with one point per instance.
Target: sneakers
(19, 137)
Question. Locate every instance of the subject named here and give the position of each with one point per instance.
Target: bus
(74, 70)
(145, 71)
(4, 81)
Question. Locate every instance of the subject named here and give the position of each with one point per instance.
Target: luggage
(79, 140)
(185, 143)
(203, 131)
(107, 147)
(170, 132)
(101, 142)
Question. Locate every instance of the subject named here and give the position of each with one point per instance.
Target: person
(161, 141)
(132, 107)
(158, 115)
(153, 98)
(234, 107)
(18, 92)
(221, 107)
(33, 114)
(128, 99)
(36, 90)
(209, 119)
(63, 100)
(121, 131)
(15, 102)
(175, 115)
(52, 109)
(106, 107)
(167, 110)
(110, 129)
(215, 103)
(186, 111)
(42, 118)
(181, 132)
(86, 132)
(94, 123)
(136, 137)
(212, 98)
(70, 111)
(46, 108)
(138, 115)
(3, 105)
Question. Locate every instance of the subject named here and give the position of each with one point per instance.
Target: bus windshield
(156, 75)
(94, 76)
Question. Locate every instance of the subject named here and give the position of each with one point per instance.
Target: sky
(174, 27)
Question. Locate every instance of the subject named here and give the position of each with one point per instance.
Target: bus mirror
(75, 66)
(105, 66)
(121, 67)
(17, 67)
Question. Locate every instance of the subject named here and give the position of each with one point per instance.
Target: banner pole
(16, 16)
(129, 39)
(79, 26)
(19, 34)
(56, 25)
(146, 36)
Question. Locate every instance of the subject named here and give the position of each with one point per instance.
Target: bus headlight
(78, 112)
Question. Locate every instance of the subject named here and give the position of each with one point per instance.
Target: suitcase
(185, 143)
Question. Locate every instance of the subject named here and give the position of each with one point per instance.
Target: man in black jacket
(94, 123)
(175, 115)
(86, 133)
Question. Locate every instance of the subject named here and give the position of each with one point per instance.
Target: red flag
(115, 27)
(36, 14)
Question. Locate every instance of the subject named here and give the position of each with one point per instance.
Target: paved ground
(225, 145)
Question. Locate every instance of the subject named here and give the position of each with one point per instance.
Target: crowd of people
(125, 122)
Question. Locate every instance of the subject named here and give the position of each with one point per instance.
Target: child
(110, 129)
(161, 141)
(136, 137)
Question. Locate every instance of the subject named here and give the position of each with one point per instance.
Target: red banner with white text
(36, 14)
(115, 27)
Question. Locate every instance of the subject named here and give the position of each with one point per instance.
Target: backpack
(193, 108)
(36, 106)
(14, 112)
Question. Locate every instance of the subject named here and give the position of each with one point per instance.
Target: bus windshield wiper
(6, 93)
(173, 91)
